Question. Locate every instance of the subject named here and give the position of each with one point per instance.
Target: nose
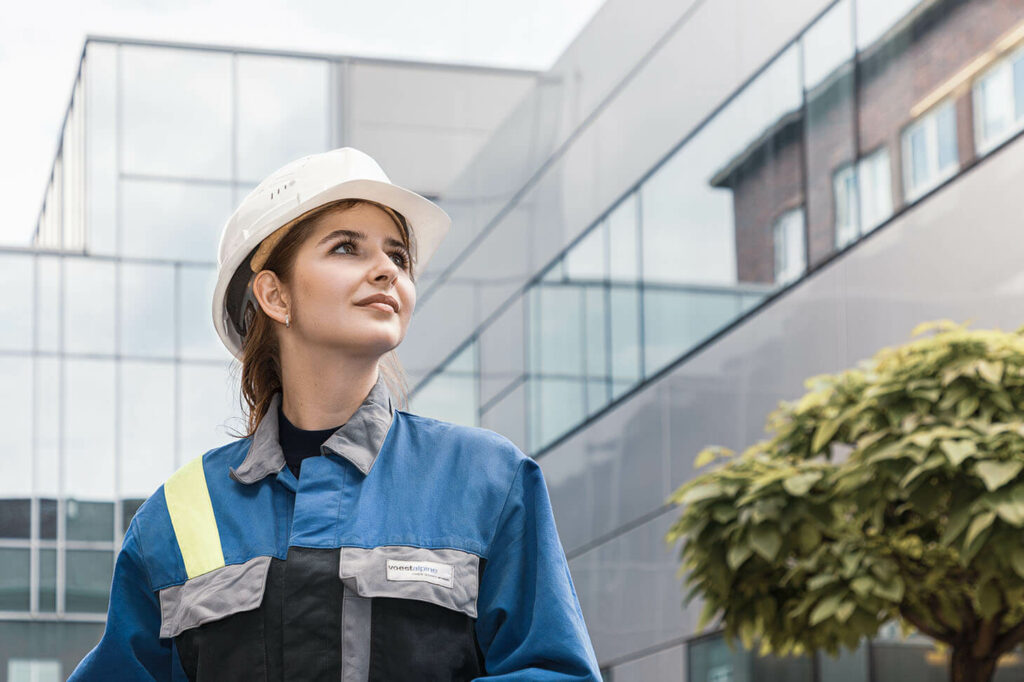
(385, 268)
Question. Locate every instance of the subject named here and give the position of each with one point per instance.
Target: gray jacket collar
(359, 440)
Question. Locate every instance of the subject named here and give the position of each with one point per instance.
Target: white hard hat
(283, 198)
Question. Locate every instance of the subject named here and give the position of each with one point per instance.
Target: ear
(271, 294)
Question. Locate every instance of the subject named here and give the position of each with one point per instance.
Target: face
(349, 256)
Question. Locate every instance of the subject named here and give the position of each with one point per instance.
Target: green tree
(890, 491)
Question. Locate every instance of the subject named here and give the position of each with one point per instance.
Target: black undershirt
(298, 444)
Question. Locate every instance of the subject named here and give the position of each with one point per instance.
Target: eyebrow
(356, 235)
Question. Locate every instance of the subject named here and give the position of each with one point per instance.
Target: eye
(403, 260)
(344, 243)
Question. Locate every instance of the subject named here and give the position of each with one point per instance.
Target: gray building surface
(698, 206)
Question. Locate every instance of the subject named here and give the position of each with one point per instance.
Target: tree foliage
(891, 490)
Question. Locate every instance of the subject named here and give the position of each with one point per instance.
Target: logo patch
(422, 571)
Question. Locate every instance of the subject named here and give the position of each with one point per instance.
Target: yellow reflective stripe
(188, 501)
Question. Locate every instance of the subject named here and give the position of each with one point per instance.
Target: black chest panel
(296, 633)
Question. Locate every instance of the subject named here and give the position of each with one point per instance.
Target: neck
(314, 399)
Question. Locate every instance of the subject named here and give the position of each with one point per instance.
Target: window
(929, 150)
(999, 102)
(863, 199)
(790, 260)
(844, 186)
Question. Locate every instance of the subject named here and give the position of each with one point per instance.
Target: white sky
(41, 44)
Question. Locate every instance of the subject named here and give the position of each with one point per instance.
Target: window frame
(786, 274)
(1001, 68)
(929, 121)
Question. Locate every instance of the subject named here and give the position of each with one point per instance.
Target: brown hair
(261, 353)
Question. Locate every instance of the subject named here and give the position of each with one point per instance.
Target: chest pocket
(410, 613)
(216, 621)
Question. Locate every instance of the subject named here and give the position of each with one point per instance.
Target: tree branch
(1009, 639)
(919, 623)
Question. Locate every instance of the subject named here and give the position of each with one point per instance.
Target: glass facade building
(652, 246)
(112, 373)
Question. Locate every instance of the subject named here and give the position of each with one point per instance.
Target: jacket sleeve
(529, 622)
(131, 648)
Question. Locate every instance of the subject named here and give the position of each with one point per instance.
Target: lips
(382, 299)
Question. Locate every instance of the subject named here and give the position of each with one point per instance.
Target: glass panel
(180, 123)
(48, 519)
(15, 518)
(20, 670)
(16, 275)
(147, 427)
(90, 520)
(199, 340)
(624, 262)
(712, 660)
(282, 112)
(88, 306)
(128, 509)
(147, 305)
(48, 424)
(208, 404)
(993, 104)
(173, 220)
(624, 319)
(14, 580)
(89, 438)
(1018, 86)
(708, 213)
(588, 259)
(789, 247)
(846, 667)
(831, 121)
(101, 169)
(48, 580)
(946, 123)
(916, 150)
(847, 215)
(875, 17)
(595, 348)
(501, 352)
(16, 428)
(875, 189)
(89, 574)
(450, 394)
(48, 310)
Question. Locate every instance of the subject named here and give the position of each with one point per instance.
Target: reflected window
(999, 102)
(790, 259)
(450, 395)
(15, 517)
(929, 150)
(844, 185)
(48, 580)
(89, 520)
(87, 580)
(875, 189)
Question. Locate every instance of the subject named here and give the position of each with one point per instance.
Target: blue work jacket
(411, 549)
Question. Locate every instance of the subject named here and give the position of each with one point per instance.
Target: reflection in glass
(282, 112)
(89, 306)
(147, 310)
(87, 580)
(999, 102)
(173, 220)
(89, 440)
(929, 150)
(790, 262)
(16, 429)
(450, 395)
(180, 123)
(14, 579)
(875, 189)
(501, 346)
(15, 518)
(146, 401)
(16, 278)
(875, 17)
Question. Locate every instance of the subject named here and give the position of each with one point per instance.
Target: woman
(391, 547)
